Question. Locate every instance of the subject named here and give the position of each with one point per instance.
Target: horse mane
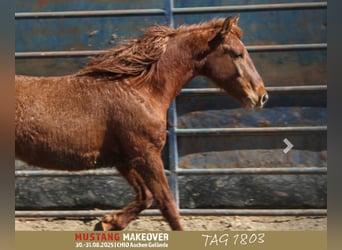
(137, 57)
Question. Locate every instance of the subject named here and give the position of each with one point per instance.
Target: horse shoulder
(137, 118)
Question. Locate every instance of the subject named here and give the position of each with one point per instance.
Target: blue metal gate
(289, 23)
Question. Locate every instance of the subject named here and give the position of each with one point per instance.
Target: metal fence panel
(281, 37)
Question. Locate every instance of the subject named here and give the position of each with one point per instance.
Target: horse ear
(227, 25)
(236, 19)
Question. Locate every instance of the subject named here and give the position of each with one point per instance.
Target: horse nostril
(264, 99)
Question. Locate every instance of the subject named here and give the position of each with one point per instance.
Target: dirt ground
(191, 223)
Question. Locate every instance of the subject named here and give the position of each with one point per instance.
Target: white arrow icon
(288, 144)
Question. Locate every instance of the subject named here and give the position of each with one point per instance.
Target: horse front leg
(142, 201)
(156, 181)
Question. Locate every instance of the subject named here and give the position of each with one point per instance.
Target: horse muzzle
(255, 101)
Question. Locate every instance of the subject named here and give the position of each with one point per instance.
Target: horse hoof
(98, 226)
(103, 226)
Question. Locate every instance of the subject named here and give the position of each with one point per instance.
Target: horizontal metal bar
(190, 10)
(56, 54)
(65, 173)
(251, 7)
(302, 88)
(84, 53)
(216, 171)
(286, 47)
(254, 171)
(60, 173)
(270, 212)
(149, 212)
(88, 13)
(250, 131)
(271, 90)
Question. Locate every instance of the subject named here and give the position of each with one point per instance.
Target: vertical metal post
(169, 6)
(173, 150)
(172, 123)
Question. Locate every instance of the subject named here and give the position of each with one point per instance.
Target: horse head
(229, 65)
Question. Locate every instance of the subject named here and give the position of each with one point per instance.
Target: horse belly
(70, 145)
(58, 153)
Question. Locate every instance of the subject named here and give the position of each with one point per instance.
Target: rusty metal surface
(99, 25)
(84, 5)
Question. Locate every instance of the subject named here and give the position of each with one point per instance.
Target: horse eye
(238, 55)
(227, 49)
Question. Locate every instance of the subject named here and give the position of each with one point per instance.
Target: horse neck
(176, 67)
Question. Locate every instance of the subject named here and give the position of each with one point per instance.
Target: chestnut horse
(113, 112)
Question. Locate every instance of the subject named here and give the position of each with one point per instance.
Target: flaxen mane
(137, 57)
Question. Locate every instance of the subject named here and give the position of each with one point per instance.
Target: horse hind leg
(143, 200)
